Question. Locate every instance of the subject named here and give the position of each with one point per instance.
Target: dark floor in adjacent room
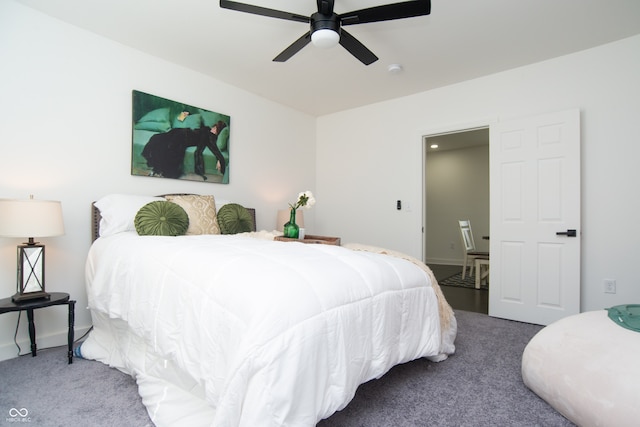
(476, 300)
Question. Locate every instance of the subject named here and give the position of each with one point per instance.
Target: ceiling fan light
(325, 38)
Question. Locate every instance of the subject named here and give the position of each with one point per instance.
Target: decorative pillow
(220, 203)
(234, 218)
(161, 219)
(118, 212)
(201, 211)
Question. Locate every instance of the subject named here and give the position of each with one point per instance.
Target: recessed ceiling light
(434, 146)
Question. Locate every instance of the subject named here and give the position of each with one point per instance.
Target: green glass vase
(291, 229)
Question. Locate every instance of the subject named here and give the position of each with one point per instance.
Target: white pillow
(118, 211)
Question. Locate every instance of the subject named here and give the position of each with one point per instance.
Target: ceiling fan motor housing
(325, 22)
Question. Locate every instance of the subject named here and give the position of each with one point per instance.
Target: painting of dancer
(179, 141)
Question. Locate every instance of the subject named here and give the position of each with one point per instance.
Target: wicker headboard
(95, 218)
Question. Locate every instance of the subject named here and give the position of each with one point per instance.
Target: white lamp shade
(30, 218)
(325, 38)
(285, 214)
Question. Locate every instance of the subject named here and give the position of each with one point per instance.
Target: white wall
(369, 157)
(457, 186)
(65, 134)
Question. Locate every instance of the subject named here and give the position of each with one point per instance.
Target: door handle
(568, 233)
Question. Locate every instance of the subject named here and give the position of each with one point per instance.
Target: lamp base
(28, 296)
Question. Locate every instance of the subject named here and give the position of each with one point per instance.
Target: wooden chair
(470, 253)
(482, 272)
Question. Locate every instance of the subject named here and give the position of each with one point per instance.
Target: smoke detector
(394, 68)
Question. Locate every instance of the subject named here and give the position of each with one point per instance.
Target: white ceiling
(460, 40)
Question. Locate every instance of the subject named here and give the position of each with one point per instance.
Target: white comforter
(238, 331)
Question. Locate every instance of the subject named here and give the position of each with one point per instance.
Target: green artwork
(175, 140)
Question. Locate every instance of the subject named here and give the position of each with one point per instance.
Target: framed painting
(175, 140)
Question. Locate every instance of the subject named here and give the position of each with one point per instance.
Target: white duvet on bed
(238, 331)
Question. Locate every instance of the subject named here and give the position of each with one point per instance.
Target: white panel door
(535, 194)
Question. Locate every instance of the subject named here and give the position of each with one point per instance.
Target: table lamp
(30, 218)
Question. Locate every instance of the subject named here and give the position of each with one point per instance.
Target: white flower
(305, 200)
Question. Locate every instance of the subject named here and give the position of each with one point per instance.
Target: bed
(242, 330)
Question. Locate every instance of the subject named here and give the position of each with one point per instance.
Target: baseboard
(8, 350)
(444, 261)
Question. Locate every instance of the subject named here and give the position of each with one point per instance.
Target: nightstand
(56, 298)
(309, 238)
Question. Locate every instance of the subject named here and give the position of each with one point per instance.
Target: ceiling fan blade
(294, 48)
(263, 11)
(387, 12)
(356, 48)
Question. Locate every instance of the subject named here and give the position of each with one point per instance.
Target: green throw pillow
(234, 218)
(161, 218)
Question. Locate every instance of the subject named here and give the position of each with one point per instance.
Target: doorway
(456, 187)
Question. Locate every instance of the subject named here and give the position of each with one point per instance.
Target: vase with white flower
(305, 200)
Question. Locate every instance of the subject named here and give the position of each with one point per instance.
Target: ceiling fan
(326, 26)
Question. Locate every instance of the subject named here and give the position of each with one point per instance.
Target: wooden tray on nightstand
(310, 238)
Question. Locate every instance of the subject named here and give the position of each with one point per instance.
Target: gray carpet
(480, 385)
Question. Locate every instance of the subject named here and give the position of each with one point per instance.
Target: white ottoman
(588, 368)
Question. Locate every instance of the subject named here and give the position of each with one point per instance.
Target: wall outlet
(609, 286)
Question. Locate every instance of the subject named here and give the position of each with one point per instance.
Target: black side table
(56, 298)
